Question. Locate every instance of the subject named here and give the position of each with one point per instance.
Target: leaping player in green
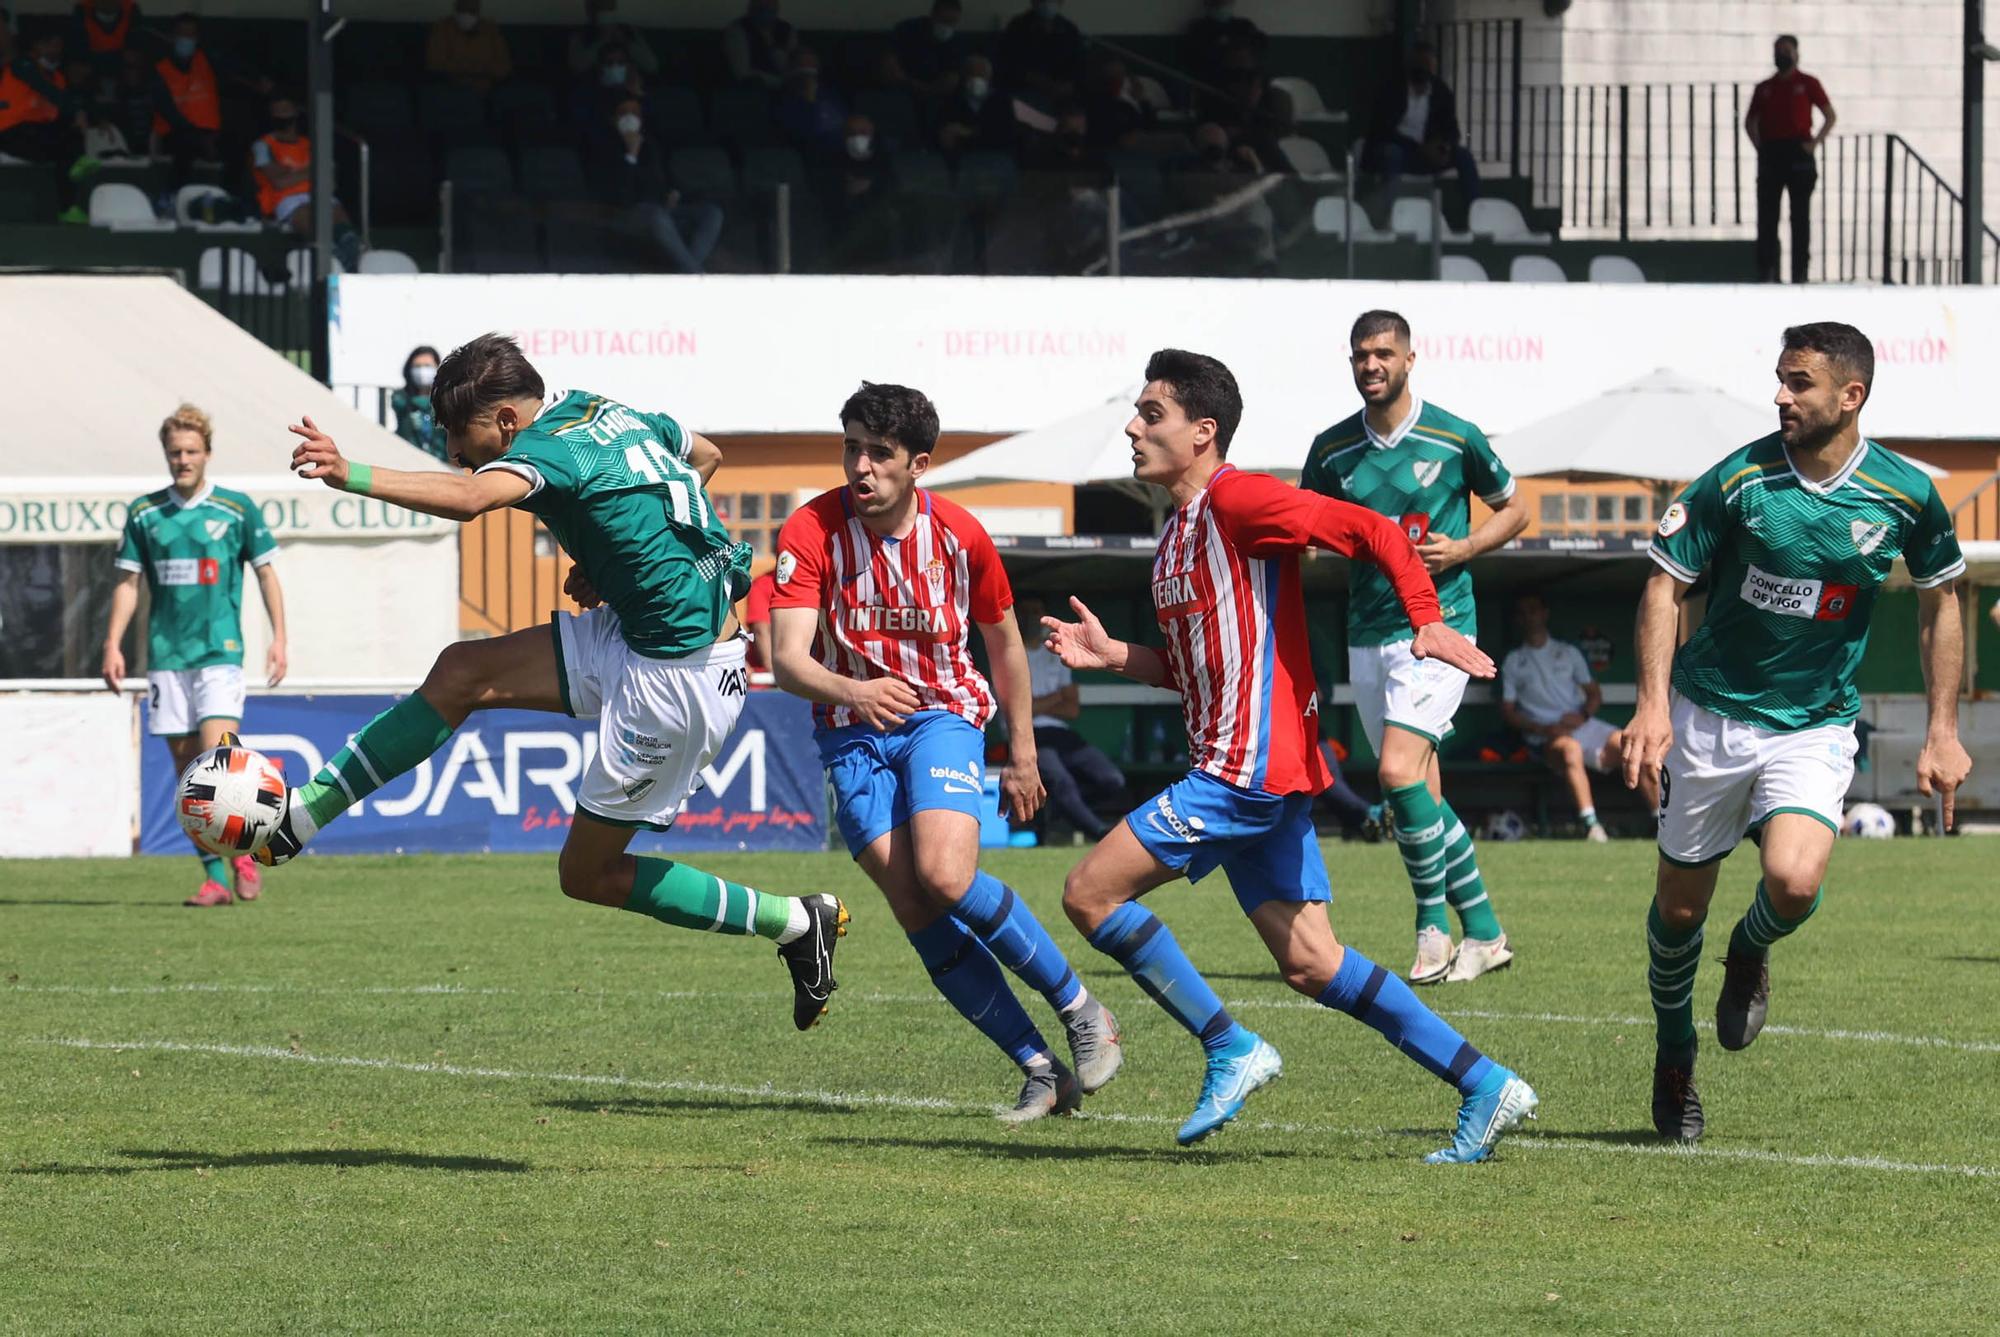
(1751, 723)
(656, 657)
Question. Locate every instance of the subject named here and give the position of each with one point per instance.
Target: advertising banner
(507, 782)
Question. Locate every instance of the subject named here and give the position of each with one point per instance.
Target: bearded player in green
(1751, 722)
(656, 657)
(1410, 459)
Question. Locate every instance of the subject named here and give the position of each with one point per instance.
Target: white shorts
(1724, 777)
(1591, 736)
(1393, 686)
(183, 698)
(659, 721)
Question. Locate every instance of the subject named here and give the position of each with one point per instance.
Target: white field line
(935, 1105)
(1234, 1004)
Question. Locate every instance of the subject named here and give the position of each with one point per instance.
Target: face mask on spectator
(613, 75)
(183, 48)
(943, 31)
(422, 375)
(977, 87)
(466, 22)
(858, 145)
(628, 124)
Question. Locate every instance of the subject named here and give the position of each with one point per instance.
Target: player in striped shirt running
(1226, 594)
(879, 585)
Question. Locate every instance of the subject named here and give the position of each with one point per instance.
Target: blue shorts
(933, 759)
(1264, 843)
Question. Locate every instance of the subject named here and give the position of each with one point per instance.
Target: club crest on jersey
(787, 564)
(934, 578)
(216, 529)
(1177, 595)
(1673, 521)
(1426, 471)
(1868, 537)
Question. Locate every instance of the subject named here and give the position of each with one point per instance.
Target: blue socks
(1137, 940)
(1013, 934)
(970, 979)
(1370, 994)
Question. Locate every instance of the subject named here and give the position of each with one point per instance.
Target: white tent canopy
(371, 591)
(1086, 447)
(1664, 427)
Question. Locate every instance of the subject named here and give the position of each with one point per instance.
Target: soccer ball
(1869, 821)
(1505, 825)
(230, 800)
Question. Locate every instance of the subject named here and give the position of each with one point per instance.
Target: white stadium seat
(1330, 219)
(1411, 218)
(1615, 269)
(1501, 220)
(120, 205)
(1307, 105)
(388, 262)
(1461, 269)
(1306, 156)
(240, 266)
(1535, 269)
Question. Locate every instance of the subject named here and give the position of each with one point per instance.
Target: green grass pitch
(429, 1094)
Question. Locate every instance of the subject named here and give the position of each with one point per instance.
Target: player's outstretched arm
(1943, 764)
(276, 659)
(882, 703)
(452, 496)
(1021, 791)
(704, 456)
(1084, 644)
(1650, 733)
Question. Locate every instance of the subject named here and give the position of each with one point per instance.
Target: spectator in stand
(467, 49)
(187, 102)
(631, 177)
(854, 186)
(1070, 765)
(1218, 170)
(931, 50)
(100, 32)
(758, 46)
(415, 422)
(973, 117)
(1780, 126)
(1041, 55)
(757, 621)
(1414, 127)
(811, 113)
(129, 101)
(281, 165)
(1547, 693)
(600, 25)
(594, 102)
(1216, 36)
(41, 121)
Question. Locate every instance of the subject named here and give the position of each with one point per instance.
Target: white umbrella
(1086, 447)
(1662, 428)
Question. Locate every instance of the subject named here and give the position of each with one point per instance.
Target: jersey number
(658, 466)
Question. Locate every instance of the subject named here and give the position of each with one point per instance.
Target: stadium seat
(1142, 185)
(232, 270)
(450, 114)
(405, 182)
(503, 240)
(527, 113)
(1535, 269)
(388, 262)
(704, 173)
(894, 112)
(1411, 218)
(765, 168)
(1307, 157)
(299, 266)
(374, 110)
(126, 208)
(1500, 220)
(677, 117)
(1330, 219)
(187, 196)
(987, 176)
(552, 173)
(740, 116)
(479, 168)
(1461, 269)
(1615, 269)
(921, 172)
(27, 193)
(1307, 105)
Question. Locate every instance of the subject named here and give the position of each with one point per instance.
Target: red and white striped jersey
(895, 608)
(1226, 593)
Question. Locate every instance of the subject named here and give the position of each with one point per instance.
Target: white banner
(780, 354)
(93, 510)
(71, 769)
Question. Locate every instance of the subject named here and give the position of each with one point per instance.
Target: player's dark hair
(480, 375)
(1371, 323)
(1849, 353)
(1203, 387)
(896, 413)
(1787, 37)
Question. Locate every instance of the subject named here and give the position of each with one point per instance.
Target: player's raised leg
(1795, 850)
(596, 868)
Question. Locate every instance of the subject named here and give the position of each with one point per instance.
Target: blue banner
(507, 781)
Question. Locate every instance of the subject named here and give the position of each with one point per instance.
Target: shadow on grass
(1961, 960)
(57, 900)
(1247, 976)
(1019, 1148)
(1621, 1137)
(662, 1106)
(343, 1158)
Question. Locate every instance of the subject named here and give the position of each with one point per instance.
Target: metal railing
(1480, 61)
(1980, 510)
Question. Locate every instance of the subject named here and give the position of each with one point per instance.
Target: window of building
(754, 517)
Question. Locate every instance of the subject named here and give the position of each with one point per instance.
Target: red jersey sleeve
(1266, 518)
(757, 603)
(799, 579)
(1817, 91)
(992, 594)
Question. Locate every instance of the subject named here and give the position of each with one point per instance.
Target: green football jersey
(192, 554)
(614, 487)
(1793, 569)
(1421, 474)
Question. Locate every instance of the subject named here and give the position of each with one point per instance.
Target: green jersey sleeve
(677, 438)
(258, 545)
(1691, 528)
(129, 556)
(1483, 470)
(548, 464)
(1931, 551)
(1319, 477)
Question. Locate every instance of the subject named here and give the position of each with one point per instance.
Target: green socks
(1674, 955)
(686, 897)
(391, 743)
(213, 868)
(1761, 925)
(1463, 886)
(1420, 828)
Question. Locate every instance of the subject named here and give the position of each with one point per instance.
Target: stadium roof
(105, 358)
